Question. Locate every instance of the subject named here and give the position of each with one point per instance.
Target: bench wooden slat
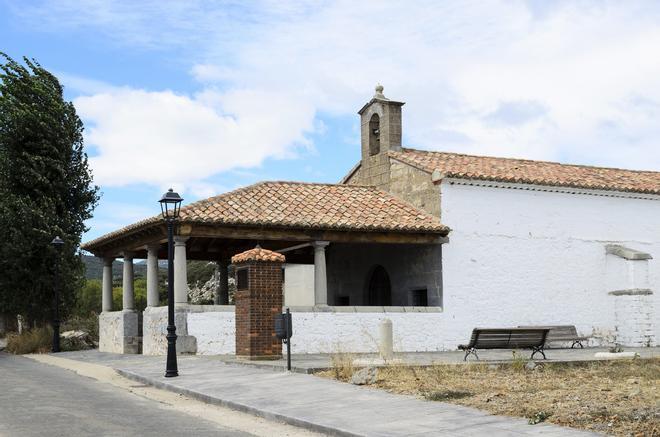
(561, 333)
(507, 338)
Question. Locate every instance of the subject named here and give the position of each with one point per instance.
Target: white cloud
(588, 72)
(163, 138)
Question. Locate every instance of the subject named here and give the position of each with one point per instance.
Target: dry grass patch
(614, 397)
(342, 366)
(30, 341)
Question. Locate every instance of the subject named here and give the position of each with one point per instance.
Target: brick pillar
(258, 298)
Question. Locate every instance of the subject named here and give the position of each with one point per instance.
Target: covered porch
(349, 250)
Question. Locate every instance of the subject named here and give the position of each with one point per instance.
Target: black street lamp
(170, 205)
(57, 243)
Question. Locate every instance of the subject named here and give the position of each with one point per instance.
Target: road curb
(269, 415)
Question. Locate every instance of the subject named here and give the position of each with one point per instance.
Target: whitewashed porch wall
(333, 330)
(522, 257)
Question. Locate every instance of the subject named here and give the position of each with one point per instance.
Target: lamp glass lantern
(170, 205)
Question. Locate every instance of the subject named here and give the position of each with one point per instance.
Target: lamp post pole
(170, 205)
(57, 243)
(172, 368)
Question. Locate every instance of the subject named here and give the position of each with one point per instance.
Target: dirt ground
(614, 397)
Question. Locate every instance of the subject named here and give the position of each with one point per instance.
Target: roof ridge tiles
(526, 171)
(532, 161)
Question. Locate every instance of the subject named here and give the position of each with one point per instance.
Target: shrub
(30, 341)
(539, 417)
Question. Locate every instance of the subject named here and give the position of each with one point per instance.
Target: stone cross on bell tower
(380, 132)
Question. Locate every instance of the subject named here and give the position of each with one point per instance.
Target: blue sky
(211, 96)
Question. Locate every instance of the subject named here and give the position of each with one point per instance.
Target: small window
(242, 279)
(419, 298)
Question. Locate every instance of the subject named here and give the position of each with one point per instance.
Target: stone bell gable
(380, 132)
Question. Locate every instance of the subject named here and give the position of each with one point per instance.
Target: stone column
(222, 290)
(152, 275)
(128, 293)
(180, 270)
(259, 298)
(106, 293)
(320, 276)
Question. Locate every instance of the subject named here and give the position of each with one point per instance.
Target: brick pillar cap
(258, 254)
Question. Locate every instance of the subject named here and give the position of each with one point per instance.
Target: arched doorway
(379, 290)
(374, 135)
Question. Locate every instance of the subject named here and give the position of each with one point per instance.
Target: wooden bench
(562, 333)
(506, 338)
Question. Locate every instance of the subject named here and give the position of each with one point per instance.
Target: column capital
(128, 256)
(180, 240)
(320, 244)
(153, 247)
(107, 261)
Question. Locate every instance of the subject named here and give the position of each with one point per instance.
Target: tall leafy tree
(46, 189)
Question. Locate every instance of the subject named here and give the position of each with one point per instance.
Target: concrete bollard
(385, 340)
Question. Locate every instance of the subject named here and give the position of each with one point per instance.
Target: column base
(155, 329)
(119, 332)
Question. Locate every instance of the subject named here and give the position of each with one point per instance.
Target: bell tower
(380, 132)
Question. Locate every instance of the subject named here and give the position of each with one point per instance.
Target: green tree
(46, 189)
(139, 294)
(88, 301)
(199, 272)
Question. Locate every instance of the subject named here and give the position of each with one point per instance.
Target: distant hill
(94, 268)
(197, 270)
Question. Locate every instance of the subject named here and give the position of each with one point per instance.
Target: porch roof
(291, 211)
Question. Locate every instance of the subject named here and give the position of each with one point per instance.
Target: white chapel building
(439, 243)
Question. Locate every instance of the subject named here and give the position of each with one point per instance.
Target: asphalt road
(37, 399)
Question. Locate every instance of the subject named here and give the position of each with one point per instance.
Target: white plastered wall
(334, 329)
(299, 284)
(521, 257)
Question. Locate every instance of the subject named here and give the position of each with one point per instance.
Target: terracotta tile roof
(301, 206)
(460, 166)
(258, 254)
(316, 206)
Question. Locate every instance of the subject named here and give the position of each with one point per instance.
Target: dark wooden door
(380, 291)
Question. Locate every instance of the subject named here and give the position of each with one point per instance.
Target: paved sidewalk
(316, 403)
